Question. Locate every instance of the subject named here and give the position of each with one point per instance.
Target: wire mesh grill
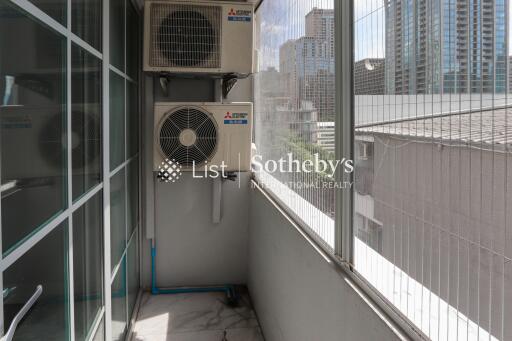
(201, 130)
(185, 36)
(295, 104)
(433, 191)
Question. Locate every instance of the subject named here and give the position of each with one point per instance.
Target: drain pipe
(228, 289)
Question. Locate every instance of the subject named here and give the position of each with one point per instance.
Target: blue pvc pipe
(228, 289)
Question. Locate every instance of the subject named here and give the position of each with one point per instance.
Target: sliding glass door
(69, 168)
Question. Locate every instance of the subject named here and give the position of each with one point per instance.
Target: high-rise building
(369, 76)
(307, 65)
(320, 25)
(446, 46)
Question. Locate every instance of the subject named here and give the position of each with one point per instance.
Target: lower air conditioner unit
(196, 135)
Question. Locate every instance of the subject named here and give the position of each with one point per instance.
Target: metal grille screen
(433, 192)
(186, 36)
(294, 103)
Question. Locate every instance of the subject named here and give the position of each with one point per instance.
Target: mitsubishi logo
(232, 12)
(228, 116)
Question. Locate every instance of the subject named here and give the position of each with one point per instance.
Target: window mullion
(344, 124)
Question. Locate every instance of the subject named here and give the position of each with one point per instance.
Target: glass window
(117, 33)
(117, 119)
(88, 264)
(119, 323)
(432, 163)
(86, 120)
(132, 41)
(294, 110)
(132, 124)
(87, 21)
(46, 265)
(117, 217)
(133, 274)
(133, 195)
(54, 8)
(33, 124)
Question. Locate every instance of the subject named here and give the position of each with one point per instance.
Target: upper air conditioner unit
(198, 37)
(202, 134)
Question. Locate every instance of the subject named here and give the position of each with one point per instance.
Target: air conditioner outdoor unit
(211, 37)
(199, 134)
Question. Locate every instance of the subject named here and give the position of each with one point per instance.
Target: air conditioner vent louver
(188, 135)
(185, 36)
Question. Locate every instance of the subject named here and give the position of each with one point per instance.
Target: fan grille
(185, 36)
(187, 119)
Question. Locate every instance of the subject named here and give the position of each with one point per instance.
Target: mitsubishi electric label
(239, 15)
(236, 118)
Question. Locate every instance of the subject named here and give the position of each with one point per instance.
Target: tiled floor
(195, 317)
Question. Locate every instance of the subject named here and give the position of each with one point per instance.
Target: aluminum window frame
(343, 254)
(66, 215)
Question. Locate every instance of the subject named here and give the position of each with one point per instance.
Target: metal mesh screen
(185, 36)
(433, 139)
(294, 103)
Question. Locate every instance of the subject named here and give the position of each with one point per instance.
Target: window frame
(343, 254)
(65, 29)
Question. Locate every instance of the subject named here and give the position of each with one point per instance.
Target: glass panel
(86, 120)
(45, 264)
(132, 125)
(88, 264)
(119, 324)
(33, 124)
(117, 33)
(133, 274)
(117, 217)
(432, 152)
(117, 118)
(132, 41)
(100, 333)
(87, 21)
(54, 8)
(294, 110)
(133, 195)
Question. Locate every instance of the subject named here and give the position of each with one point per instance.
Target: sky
(282, 20)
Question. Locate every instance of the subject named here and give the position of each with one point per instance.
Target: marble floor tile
(197, 317)
(243, 334)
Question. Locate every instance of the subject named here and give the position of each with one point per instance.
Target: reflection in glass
(44, 264)
(119, 322)
(117, 118)
(132, 124)
(86, 120)
(87, 21)
(133, 274)
(54, 8)
(117, 33)
(33, 124)
(133, 195)
(117, 217)
(88, 264)
(132, 41)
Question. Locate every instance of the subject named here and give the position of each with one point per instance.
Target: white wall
(297, 293)
(191, 250)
